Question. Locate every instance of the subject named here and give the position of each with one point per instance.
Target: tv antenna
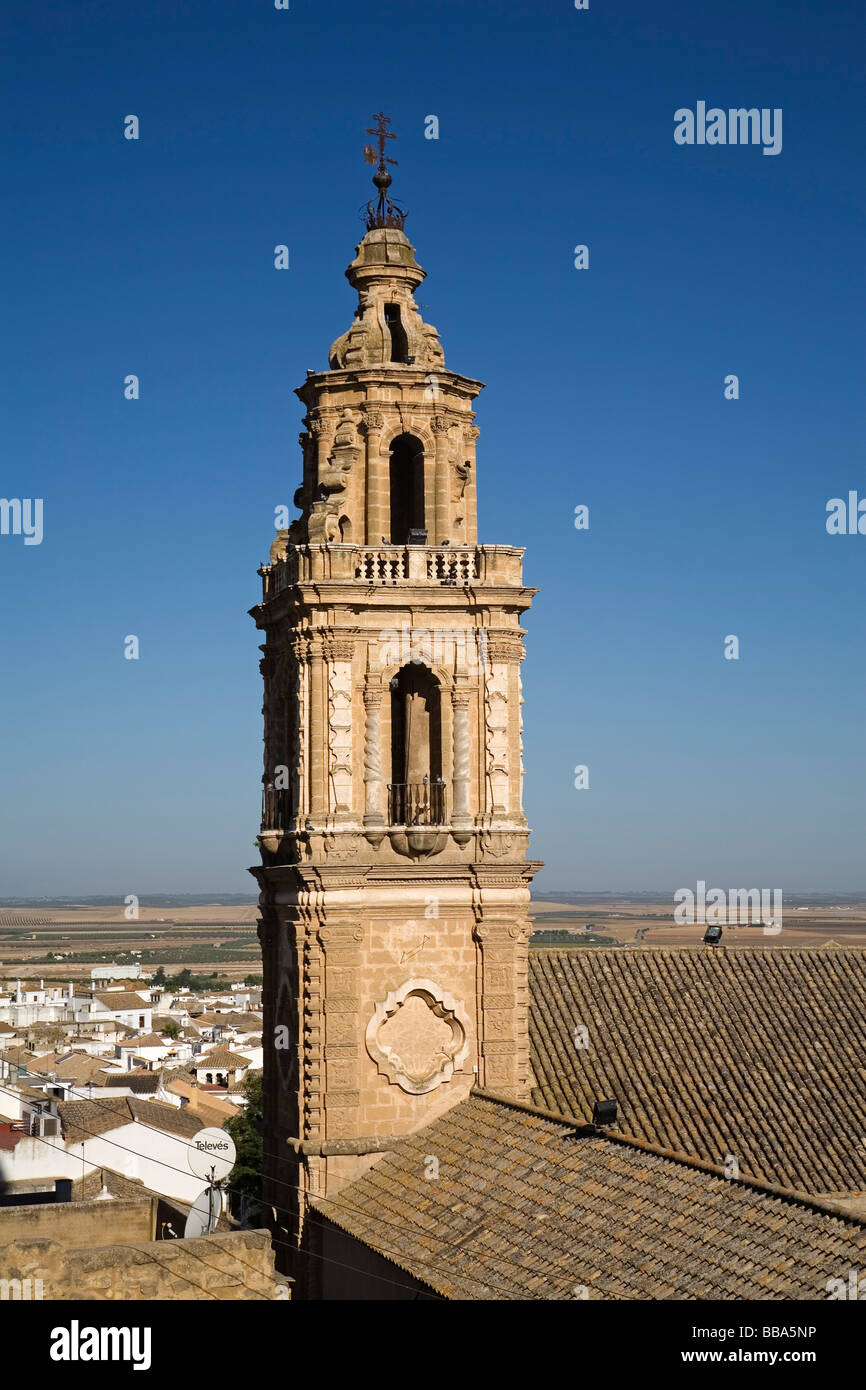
(210, 1156)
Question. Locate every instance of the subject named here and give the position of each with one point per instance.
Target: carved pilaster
(318, 736)
(496, 736)
(343, 1032)
(339, 649)
(377, 519)
(441, 506)
(504, 1013)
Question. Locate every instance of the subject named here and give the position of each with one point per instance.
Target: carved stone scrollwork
(340, 728)
(505, 646)
(496, 843)
(496, 722)
(341, 848)
(338, 646)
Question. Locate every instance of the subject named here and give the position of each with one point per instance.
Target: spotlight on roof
(712, 936)
(604, 1113)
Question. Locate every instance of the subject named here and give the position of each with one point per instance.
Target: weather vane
(386, 213)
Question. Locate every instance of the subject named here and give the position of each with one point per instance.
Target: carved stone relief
(418, 1037)
(496, 724)
(340, 738)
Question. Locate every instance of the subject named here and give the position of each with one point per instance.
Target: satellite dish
(206, 1212)
(211, 1154)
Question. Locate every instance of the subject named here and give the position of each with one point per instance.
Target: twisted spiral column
(372, 759)
(460, 704)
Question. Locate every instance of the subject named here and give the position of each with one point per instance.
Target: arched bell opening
(416, 792)
(399, 342)
(407, 489)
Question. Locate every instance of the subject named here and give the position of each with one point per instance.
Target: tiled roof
(213, 1110)
(79, 1068)
(139, 1082)
(82, 1119)
(221, 1057)
(750, 1052)
(146, 1040)
(169, 1118)
(44, 1062)
(526, 1206)
(21, 1055)
(243, 1023)
(122, 1000)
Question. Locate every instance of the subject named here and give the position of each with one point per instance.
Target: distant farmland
(69, 945)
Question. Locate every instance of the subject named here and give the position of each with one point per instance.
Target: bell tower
(394, 880)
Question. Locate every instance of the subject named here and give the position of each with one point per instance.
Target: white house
(115, 972)
(221, 1067)
(121, 1006)
(144, 1139)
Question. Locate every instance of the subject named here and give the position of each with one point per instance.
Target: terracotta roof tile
(527, 1207)
(754, 1053)
(221, 1057)
(123, 1000)
(82, 1119)
(172, 1119)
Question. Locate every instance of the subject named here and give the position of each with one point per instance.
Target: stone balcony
(390, 565)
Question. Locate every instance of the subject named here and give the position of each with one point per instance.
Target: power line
(389, 1225)
(398, 1257)
(125, 1245)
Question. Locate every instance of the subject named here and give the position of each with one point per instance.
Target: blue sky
(604, 387)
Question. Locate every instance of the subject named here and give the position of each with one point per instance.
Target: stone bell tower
(394, 878)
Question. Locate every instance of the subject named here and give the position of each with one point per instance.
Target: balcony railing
(416, 803)
(387, 565)
(393, 565)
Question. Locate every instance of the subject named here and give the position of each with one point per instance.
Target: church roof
(750, 1052)
(526, 1205)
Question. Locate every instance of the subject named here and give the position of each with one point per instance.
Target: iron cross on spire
(386, 213)
(382, 134)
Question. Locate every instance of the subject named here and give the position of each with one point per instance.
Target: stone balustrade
(451, 566)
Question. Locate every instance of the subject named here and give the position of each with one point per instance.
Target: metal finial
(386, 212)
